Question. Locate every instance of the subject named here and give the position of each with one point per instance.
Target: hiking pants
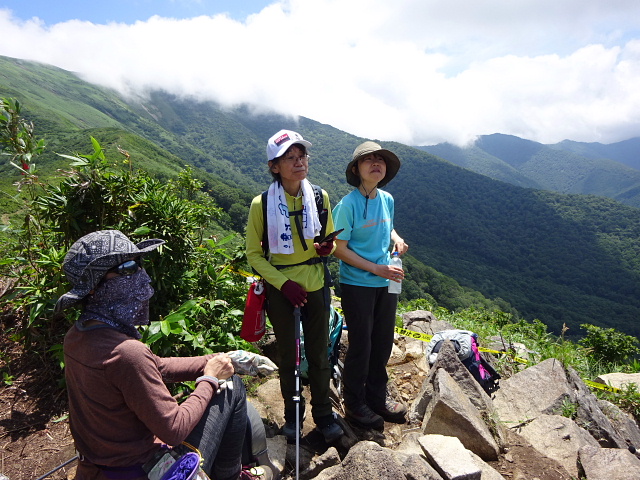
(370, 315)
(315, 325)
(220, 434)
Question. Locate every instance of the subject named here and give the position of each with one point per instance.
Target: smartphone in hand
(332, 236)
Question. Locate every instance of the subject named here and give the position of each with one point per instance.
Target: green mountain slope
(627, 151)
(561, 258)
(567, 167)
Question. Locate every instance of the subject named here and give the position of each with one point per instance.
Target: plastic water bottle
(395, 287)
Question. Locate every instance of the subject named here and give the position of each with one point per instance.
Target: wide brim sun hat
(366, 148)
(281, 141)
(92, 256)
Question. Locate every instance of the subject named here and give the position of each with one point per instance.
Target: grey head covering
(92, 256)
(390, 158)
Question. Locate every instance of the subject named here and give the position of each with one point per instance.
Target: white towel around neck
(279, 229)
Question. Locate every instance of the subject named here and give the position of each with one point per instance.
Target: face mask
(121, 302)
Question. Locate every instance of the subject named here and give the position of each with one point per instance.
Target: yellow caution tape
(602, 386)
(427, 338)
(243, 273)
(413, 334)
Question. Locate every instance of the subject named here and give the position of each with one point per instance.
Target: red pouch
(254, 320)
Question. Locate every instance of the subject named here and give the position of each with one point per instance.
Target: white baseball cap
(281, 141)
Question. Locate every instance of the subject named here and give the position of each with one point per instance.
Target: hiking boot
(259, 472)
(365, 417)
(391, 411)
(330, 428)
(289, 431)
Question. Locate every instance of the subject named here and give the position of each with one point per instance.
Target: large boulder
(366, 461)
(590, 417)
(449, 457)
(558, 438)
(537, 390)
(425, 322)
(451, 413)
(608, 464)
(623, 423)
(619, 380)
(448, 361)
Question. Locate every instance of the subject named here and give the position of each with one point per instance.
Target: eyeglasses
(128, 268)
(294, 159)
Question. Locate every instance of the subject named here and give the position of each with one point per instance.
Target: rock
(397, 356)
(307, 456)
(619, 380)
(540, 389)
(416, 467)
(502, 345)
(366, 461)
(451, 413)
(558, 438)
(324, 461)
(608, 463)
(424, 322)
(414, 349)
(448, 360)
(449, 457)
(277, 448)
(623, 423)
(590, 417)
(410, 444)
(488, 472)
(271, 399)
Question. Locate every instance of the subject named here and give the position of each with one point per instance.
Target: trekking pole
(58, 468)
(296, 398)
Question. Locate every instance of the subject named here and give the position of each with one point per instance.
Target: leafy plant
(96, 193)
(608, 345)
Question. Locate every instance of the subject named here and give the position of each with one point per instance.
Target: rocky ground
(35, 437)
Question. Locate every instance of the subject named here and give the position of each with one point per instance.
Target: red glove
(294, 293)
(325, 250)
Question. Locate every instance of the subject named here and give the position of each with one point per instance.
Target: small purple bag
(185, 468)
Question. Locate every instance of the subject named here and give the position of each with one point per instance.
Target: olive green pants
(315, 327)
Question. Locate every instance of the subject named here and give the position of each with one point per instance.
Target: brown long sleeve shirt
(119, 406)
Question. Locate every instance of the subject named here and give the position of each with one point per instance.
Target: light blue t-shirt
(368, 237)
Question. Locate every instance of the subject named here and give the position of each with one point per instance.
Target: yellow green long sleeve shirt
(309, 277)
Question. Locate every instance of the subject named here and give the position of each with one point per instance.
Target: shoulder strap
(323, 214)
(265, 234)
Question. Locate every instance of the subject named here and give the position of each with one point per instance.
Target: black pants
(370, 314)
(221, 431)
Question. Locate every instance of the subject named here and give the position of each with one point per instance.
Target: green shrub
(608, 345)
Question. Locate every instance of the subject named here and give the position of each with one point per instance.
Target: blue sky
(414, 71)
(101, 11)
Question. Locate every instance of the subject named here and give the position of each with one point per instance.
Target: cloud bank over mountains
(416, 71)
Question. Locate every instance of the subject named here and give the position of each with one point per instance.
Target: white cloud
(415, 71)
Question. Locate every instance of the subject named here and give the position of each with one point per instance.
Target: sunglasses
(128, 268)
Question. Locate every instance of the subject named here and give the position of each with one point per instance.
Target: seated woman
(122, 415)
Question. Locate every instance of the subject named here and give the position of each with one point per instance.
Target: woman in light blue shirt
(366, 214)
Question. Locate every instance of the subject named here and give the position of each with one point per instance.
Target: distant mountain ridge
(565, 259)
(566, 167)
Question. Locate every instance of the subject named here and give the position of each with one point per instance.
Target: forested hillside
(561, 258)
(566, 167)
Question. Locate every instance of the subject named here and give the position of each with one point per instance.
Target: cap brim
(285, 146)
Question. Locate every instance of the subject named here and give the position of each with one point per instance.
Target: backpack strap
(323, 215)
